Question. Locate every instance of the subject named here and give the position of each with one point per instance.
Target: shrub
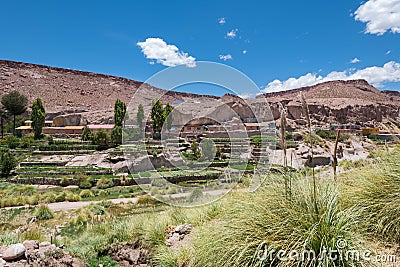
(7, 163)
(60, 197)
(101, 139)
(84, 181)
(147, 200)
(102, 193)
(87, 134)
(86, 193)
(43, 212)
(72, 197)
(105, 261)
(96, 209)
(12, 142)
(104, 183)
(64, 182)
(33, 200)
(208, 149)
(26, 142)
(50, 140)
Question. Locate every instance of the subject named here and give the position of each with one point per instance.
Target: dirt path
(67, 206)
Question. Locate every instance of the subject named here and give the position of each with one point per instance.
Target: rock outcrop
(31, 253)
(353, 101)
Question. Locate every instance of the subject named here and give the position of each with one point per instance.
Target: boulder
(319, 160)
(14, 252)
(183, 229)
(74, 119)
(297, 136)
(44, 244)
(31, 244)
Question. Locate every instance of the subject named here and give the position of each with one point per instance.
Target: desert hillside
(67, 91)
(354, 101)
(93, 95)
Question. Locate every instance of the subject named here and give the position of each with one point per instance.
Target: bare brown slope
(65, 90)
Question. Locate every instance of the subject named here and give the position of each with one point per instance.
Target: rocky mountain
(353, 101)
(71, 91)
(92, 95)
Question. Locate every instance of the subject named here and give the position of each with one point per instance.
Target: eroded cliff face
(339, 102)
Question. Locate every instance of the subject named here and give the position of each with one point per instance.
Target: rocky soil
(31, 253)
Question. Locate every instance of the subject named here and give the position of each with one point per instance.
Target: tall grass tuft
(374, 190)
(283, 145)
(265, 222)
(335, 161)
(306, 112)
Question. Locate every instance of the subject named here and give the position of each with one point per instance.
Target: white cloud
(221, 21)
(244, 52)
(232, 33)
(380, 16)
(165, 54)
(355, 60)
(225, 57)
(388, 52)
(390, 72)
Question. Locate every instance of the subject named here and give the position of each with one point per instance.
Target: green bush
(208, 149)
(26, 142)
(104, 183)
(87, 134)
(105, 261)
(86, 193)
(64, 182)
(102, 193)
(84, 181)
(71, 197)
(12, 142)
(60, 197)
(7, 163)
(147, 200)
(43, 212)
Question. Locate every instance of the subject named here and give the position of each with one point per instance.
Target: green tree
(7, 163)
(168, 116)
(157, 117)
(15, 103)
(86, 134)
(140, 117)
(101, 139)
(195, 150)
(38, 117)
(119, 112)
(208, 149)
(3, 116)
(116, 135)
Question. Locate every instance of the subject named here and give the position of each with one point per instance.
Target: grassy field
(360, 210)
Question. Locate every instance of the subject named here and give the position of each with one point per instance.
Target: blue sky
(278, 44)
